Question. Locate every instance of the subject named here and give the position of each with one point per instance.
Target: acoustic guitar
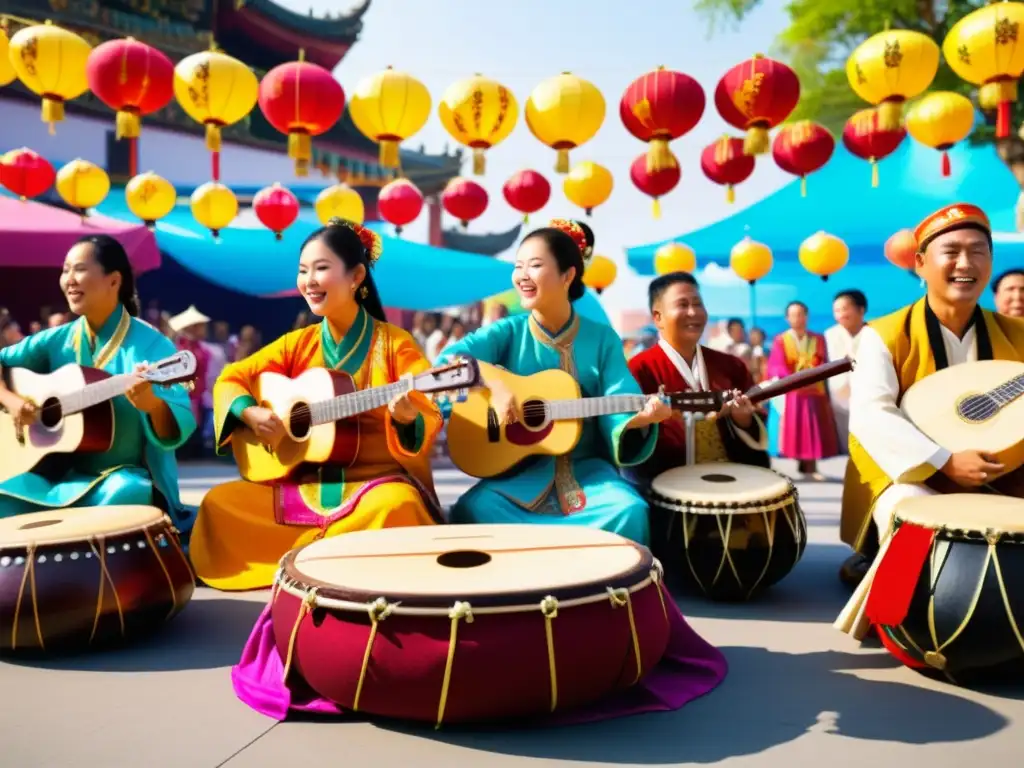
(76, 414)
(317, 408)
(974, 407)
(552, 413)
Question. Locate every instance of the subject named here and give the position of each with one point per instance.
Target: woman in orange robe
(244, 528)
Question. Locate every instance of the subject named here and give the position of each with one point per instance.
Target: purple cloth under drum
(690, 668)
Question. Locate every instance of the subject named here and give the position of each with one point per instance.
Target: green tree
(822, 34)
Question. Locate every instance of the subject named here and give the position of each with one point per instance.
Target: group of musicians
(242, 528)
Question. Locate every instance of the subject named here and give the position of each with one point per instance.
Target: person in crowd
(841, 340)
(1009, 291)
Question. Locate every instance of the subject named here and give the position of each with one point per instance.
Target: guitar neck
(94, 394)
(354, 403)
(1008, 392)
(590, 407)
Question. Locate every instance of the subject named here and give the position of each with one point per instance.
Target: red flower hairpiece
(575, 231)
(371, 240)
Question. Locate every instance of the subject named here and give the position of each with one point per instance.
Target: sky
(608, 42)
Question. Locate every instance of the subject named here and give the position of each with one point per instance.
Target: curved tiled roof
(345, 26)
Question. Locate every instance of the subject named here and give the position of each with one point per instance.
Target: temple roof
(490, 244)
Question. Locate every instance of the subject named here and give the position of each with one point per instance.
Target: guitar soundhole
(300, 421)
(535, 413)
(51, 414)
(977, 408)
(463, 558)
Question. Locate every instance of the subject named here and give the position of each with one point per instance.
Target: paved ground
(798, 694)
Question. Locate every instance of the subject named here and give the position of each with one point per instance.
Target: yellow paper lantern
(822, 254)
(50, 61)
(674, 257)
(751, 260)
(7, 73)
(388, 108)
(565, 112)
(214, 206)
(599, 273)
(342, 202)
(940, 120)
(984, 48)
(588, 185)
(891, 67)
(215, 90)
(82, 184)
(479, 113)
(150, 197)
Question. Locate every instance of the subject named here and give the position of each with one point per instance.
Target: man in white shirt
(842, 340)
(1009, 291)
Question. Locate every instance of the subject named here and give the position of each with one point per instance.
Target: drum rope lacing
(29, 575)
(620, 598)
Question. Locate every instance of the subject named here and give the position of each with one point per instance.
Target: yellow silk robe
(244, 528)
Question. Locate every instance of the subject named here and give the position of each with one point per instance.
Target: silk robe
(808, 429)
(140, 467)
(839, 344)
(245, 528)
(584, 487)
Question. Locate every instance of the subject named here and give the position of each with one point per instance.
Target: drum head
(74, 524)
(976, 512)
(716, 484)
(482, 564)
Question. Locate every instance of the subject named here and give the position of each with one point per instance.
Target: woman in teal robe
(584, 487)
(149, 422)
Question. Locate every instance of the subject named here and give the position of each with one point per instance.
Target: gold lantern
(50, 61)
(939, 121)
(388, 108)
(479, 113)
(82, 184)
(823, 254)
(891, 67)
(674, 257)
(214, 206)
(751, 260)
(599, 273)
(588, 185)
(565, 112)
(7, 73)
(342, 202)
(150, 197)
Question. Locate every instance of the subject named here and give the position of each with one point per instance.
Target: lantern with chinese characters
(863, 137)
(340, 202)
(132, 78)
(51, 62)
(276, 207)
(7, 73)
(599, 273)
(654, 184)
(755, 96)
(725, 163)
(986, 48)
(82, 184)
(801, 148)
(150, 197)
(751, 260)
(527, 191)
(25, 173)
(479, 113)
(823, 254)
(399, 203)
(216, 90)
(301, 100)
(588, 185)
(940, 120)
(214, 206)
(891, 67)
(659, 107)
(901, 250)
(565, 112)
(464, 199)
(388, 108)
(674, 257)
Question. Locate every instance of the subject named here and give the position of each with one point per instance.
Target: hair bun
(371, 241)
(575, 231)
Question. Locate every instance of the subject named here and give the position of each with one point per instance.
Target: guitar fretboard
(1009, 391)
(354, 403)
(589, 407)
(94, 394)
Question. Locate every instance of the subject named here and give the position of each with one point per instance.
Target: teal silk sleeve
(176, 398)
(490, 344)
(33, 352)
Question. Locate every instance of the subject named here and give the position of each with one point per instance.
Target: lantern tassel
(890, 115)
(526, 218)
(874, 173)
(129, 124)
(730, 194)
(389, 153)
(215, 165)
(946, 169)
(659, 156)
(300, 149)
(213, 137)
(803, 186)
(999, 95)
(656, 208)
(479, 161)
(756, 141)
(1003, 120)
(562, 161)
(53, 112)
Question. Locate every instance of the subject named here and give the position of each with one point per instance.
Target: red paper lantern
(464, 199)
(301, 100)
(276, 207)
(132, 78)
(803, 148)
(725, 163)
(26, 173)
(755, 96)
(863, 138)
(399, 203)
(654, 184)
(659, 107)
(527, 192)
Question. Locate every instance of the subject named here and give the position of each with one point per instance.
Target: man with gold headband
(890, 459)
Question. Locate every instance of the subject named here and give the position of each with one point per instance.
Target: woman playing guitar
(245, 527)
(150, 424)
(584, 487)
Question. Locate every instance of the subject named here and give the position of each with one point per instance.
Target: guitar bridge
(493, 427)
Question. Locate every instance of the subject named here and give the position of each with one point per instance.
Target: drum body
(75, 579)
(473, 623)
(963, 619)
(726, 530)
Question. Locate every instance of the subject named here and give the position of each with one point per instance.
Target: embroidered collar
(97, 349)
(938, 345)
(696, 377)
(563, 338)
(348, 353)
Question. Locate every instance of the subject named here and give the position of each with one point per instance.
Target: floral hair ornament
(575, 231)
(371, 240)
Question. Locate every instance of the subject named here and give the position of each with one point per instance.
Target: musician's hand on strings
(655, 411)
(265, 424)
(739, 409)
(140, 393)
(972, 468)
(504, 403)
(403, 409)
(23, 412)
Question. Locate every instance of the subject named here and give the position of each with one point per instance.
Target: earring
(363, 292)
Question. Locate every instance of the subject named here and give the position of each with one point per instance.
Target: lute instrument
(76, 414)
(318, 408)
